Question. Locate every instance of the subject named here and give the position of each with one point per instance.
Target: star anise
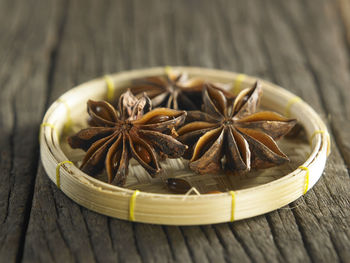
(236, 137)
(175, 90)
(133, 131)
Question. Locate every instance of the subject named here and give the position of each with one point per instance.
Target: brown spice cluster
(222, 132)
(175, 90)
(244, 137)
(134, 131)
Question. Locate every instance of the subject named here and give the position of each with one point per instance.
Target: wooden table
(49, 46)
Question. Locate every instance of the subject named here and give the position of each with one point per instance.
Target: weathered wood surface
(47, 47)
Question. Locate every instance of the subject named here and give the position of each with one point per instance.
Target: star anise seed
(236, 136)
(134, 131)
(178, 185)
(176, 90)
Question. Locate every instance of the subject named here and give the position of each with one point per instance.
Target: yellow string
(110, 87)
(69, 121)
(233, 205)
(167, 70)
(58, 179)
(46, 124)
(328, 144)
(237, 84)
(132, 205)
(306, 185)
(290, 103)
(328, 140)
(314, 134)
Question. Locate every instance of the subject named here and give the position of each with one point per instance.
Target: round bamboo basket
(174, 209)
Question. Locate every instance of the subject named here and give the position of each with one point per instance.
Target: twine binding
(46, 124)
(328, 140)
(237, 84)
(290, 103)
(233, 205)
(110, 87)
(167, 70)
(328, 144)
(192, 190)
(314, 134)
(58, 175)
(306, 184)
(132, 205)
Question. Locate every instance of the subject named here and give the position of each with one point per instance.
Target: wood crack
(229, 31)
(222, 244)
(49, 249)
(244, 246)
(137, 247)
(29, 202)
(169, 242)
(190, 252)
(317, 82)
(273, 234)
(59, 228)
(12, 155)
(55, 48)
(272, 74)
(265, 50)
(206, 235)
(110, 237)
(342, 21)
(89, 235)
(303, 237)
(52, 61)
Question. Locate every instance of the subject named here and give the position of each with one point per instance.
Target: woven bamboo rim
(172, 209)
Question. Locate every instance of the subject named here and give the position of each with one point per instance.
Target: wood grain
(26, 43)
(47, 47)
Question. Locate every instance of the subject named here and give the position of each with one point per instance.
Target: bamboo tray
(140, 202)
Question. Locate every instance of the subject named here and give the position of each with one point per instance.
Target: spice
(234, 137)
(175, 90)
(178, 185)
(134, 131)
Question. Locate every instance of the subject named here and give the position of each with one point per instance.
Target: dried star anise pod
(176, 90)
(133, 131)
(244, 137)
